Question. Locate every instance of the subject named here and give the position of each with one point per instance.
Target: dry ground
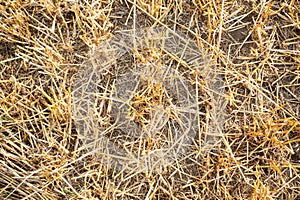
(256, 45)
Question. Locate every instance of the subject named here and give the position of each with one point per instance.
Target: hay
(173, 104)
(249, 68)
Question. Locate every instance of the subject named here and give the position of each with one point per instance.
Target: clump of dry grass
(256, 48)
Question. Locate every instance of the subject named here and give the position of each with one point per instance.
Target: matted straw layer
(151, 106)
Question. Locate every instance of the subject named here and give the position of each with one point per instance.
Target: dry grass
(256, 48)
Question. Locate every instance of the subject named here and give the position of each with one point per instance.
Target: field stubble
(254, 48)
